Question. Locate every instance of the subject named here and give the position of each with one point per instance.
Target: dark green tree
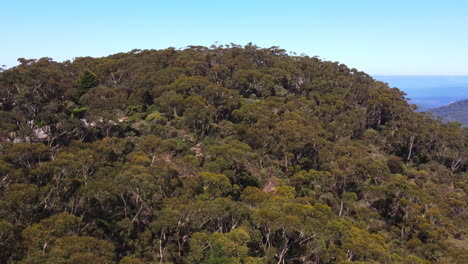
(85, 82)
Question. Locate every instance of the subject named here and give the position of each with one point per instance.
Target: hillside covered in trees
(453, 112)
(225, 154)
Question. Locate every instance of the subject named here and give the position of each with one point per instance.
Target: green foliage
(225, 154)
(85, 82)
(80, 250)
(218, 247)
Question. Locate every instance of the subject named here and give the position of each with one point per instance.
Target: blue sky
(379, 37)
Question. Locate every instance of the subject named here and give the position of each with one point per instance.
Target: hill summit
(226, 154)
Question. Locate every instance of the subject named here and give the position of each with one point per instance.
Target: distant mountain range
(457, 111)
(428, 91)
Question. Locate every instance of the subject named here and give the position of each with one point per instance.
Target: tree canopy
(223, 154)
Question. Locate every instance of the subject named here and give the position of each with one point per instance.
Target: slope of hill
(226, 154)
(457, 111)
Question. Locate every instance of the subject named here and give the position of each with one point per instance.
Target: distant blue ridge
(429, 91)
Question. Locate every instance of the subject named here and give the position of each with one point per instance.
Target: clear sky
(386, 37)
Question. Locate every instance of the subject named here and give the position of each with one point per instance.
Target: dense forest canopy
(225, 154)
